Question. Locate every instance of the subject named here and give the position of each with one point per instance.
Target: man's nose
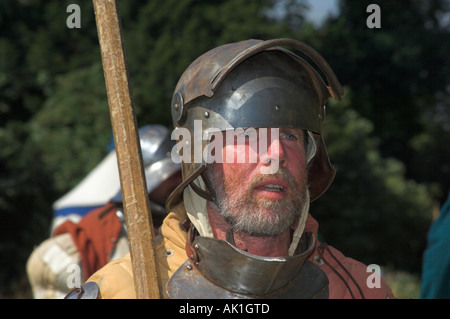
(275, 152)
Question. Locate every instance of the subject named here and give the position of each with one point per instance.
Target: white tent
(95, 190)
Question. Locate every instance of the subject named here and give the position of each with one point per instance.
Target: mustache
(282, 173)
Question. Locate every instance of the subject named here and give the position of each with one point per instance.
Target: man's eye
(289, 137)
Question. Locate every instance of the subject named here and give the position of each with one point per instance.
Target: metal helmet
(156, 147)
(257, 83)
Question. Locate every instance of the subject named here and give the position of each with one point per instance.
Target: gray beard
(263, 217)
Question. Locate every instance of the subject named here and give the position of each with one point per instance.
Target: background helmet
(257, 83)
(156, 147)
(102, 184)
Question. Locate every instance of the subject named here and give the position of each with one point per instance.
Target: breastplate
(216, 269)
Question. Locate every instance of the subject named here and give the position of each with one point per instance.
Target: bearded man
(239, 223)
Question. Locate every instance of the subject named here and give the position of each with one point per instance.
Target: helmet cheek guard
(256, 83)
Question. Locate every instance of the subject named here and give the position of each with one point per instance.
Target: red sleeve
(95, 236)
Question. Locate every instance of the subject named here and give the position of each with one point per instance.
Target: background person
(435, 281)
(93, 239)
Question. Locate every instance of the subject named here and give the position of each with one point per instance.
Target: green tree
(399, 74)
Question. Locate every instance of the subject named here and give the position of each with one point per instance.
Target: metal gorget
(217, 269)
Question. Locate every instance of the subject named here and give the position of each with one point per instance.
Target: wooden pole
(128, 149)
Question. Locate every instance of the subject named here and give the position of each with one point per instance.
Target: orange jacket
(347, 277)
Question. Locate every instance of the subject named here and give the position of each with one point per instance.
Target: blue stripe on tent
(77, 210)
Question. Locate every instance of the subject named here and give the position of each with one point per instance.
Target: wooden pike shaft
(128, 149)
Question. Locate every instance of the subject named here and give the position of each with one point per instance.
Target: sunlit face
(252, 201)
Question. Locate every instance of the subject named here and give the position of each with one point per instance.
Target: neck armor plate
(216, 269)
